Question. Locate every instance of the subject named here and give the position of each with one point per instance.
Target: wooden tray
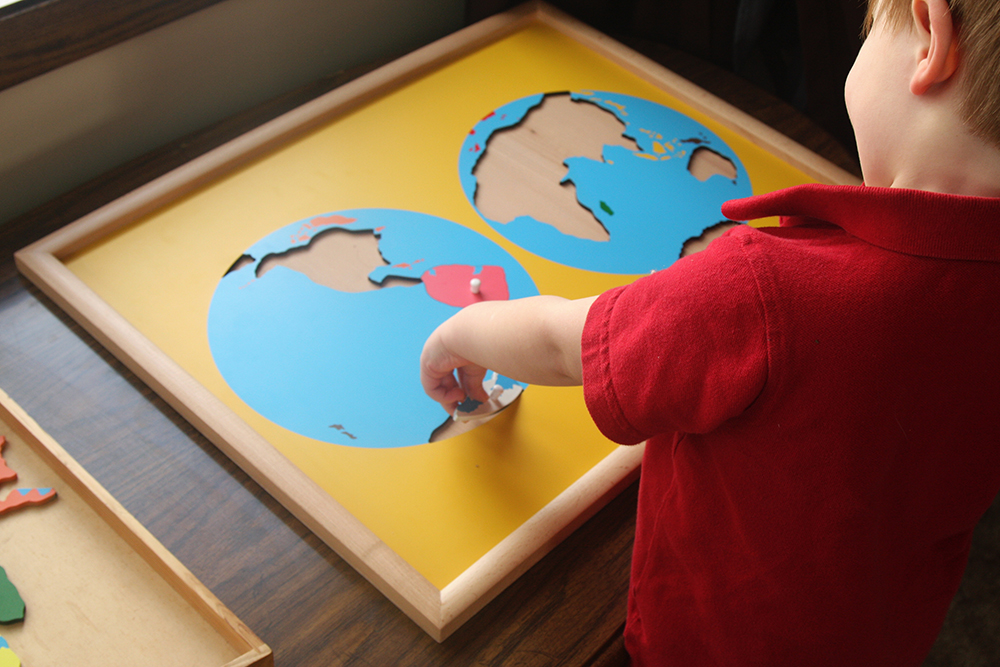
(438, 602)
(98, 588)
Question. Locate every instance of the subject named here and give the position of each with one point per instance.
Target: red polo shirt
(820, 404)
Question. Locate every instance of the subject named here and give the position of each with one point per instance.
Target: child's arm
(534, 340)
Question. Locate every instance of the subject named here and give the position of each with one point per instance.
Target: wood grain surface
(39, 36)
(302, 600)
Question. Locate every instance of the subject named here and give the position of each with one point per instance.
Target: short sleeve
(682, 350)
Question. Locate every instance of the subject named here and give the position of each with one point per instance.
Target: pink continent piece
(327, 220)
(450, 284)
(320, 221)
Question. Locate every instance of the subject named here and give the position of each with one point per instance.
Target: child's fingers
(470, 378)
(448, 378)
(449, 391)
(439, 386)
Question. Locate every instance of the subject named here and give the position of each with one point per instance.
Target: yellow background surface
(440, 506)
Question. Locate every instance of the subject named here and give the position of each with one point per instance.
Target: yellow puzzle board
(439, 506)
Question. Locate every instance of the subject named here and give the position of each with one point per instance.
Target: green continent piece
(11, 604)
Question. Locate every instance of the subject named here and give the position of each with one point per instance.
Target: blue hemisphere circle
(338, 366)
(647, 199)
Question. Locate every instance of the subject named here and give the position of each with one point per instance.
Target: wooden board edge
(514, 555)
(286, 483)
(232, 629)
(257, 657)
(757, 132)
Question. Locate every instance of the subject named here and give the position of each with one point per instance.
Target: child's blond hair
(977, 23)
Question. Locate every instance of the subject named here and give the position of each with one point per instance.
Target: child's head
(977, 26)
(922, 97)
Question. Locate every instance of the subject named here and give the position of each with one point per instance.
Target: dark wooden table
(291, 589)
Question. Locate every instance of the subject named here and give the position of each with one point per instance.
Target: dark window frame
(37, 36)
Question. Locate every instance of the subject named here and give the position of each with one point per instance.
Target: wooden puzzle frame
(68, 476)
(439, 612)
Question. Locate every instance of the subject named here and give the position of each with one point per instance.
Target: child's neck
(942, 155)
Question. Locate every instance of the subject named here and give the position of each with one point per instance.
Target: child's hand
(535, 340)
(447, 377)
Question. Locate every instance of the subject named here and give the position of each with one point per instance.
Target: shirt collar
(915, 222)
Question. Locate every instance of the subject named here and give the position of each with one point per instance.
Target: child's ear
(938, 56)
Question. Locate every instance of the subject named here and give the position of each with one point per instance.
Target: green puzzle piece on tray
(11, 604)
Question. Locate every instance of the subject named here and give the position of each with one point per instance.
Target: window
(40, 35)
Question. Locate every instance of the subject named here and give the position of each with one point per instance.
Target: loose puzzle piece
(6, 474)
(23, 497)
(7, 657)
(11, 604)
(19, 497)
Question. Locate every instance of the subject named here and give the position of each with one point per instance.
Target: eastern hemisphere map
(611, 183)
